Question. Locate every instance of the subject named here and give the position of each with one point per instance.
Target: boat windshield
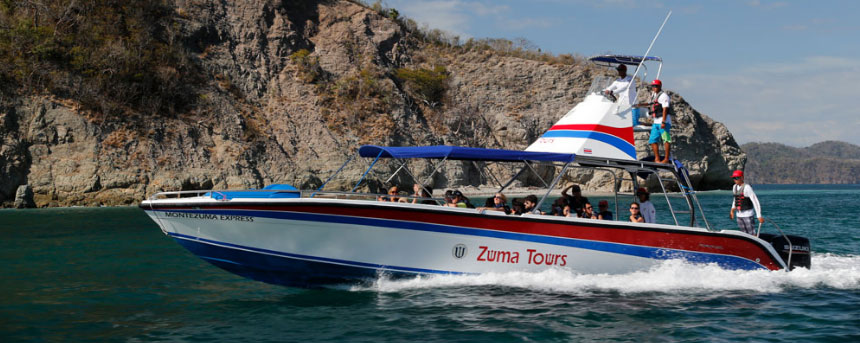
(599, 83)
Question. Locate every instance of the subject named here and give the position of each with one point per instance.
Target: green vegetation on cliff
(111, 56)
(829, 162)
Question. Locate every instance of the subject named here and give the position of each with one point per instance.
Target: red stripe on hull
(625, 133)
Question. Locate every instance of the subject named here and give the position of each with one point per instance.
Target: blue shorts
(658, 134)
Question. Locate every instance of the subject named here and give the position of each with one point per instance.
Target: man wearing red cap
(744, 203)
(623, 87)
(661, 113)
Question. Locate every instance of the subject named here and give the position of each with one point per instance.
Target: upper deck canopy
(463, 153)
(622, 59)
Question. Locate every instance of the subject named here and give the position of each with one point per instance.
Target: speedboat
(320, 237)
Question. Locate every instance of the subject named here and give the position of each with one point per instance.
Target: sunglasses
(497, 197)
(589, 207)
(736, 178)
(634, 208)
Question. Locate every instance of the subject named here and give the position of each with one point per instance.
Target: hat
(602, 203)
(642, 190)
(657, 83)
(738, 173)
(621, 67)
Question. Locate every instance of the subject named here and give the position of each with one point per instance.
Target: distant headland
(829, 162)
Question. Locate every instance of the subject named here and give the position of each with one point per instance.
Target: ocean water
(109, 274)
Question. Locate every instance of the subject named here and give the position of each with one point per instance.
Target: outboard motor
(800, 249)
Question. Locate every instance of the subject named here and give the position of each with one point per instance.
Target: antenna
(632, 78)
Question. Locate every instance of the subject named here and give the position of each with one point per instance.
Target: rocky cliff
(290, 90)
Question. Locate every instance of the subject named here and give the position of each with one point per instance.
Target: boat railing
(227, 195)
(181, 194)
(788, 241)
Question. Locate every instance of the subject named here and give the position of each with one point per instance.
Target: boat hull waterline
(316, 242)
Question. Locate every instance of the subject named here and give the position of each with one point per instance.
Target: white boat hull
(311, 242)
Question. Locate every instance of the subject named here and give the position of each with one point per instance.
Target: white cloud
(454, 16)
(444, 15)
(800, 103)
(457, 16)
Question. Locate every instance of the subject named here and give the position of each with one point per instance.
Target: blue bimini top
(623, 59)
(463, 153)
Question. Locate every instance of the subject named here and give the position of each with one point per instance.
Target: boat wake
(671, 276)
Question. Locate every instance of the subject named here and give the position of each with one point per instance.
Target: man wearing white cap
(744, 202)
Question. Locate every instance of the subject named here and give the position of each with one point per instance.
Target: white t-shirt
(663, 99)
(617, 87)
(748, 192)
(648, 211)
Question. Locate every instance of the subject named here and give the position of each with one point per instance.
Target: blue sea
(110, 275)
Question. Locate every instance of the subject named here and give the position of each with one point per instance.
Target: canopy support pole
(368, 170)
(551, 187)
(514, 178)
(536, 173)
(351, 157)
(435, 169)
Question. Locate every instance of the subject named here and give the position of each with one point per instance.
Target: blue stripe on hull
(283, 270)
(615, 142)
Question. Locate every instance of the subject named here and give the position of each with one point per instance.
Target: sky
(771, 71)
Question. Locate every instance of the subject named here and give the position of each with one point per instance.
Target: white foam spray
(672, 276)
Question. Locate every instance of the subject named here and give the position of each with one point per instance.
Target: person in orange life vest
(661, 112)
(744, 202)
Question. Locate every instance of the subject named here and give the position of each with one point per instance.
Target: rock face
(24, 197)
(270, 115)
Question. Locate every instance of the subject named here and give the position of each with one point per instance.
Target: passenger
(605, 213)
(558, 206)
(391, 195)
(461, 200)
(394, 192)
(499, 203)
(566, 211)
(529, 204)
(635, 214)
(745, 203)
(575, 199)
(449, 199)
(588, 211)
(489, 202)
(423, 192)
(517, 206)
(647, 208)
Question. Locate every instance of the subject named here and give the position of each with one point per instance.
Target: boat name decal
(513, 257)
(209, 216)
